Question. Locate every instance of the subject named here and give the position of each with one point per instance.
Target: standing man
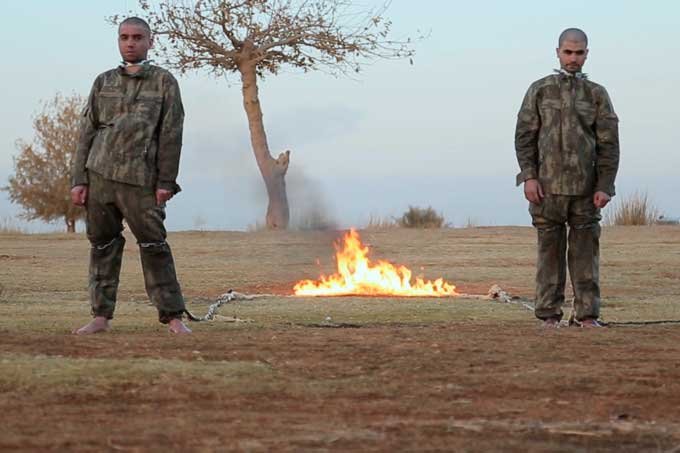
(125, 167)
(567, 145)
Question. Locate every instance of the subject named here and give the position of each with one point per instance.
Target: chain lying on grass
(225, 298)
(495, 293)
(498, 294)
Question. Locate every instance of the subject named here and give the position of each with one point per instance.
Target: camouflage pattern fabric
(131, 129)
(551, 218)
(108, 203)
(567, 136)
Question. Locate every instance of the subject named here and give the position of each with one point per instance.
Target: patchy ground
(411, 374)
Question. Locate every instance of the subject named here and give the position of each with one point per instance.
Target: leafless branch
(332, 35)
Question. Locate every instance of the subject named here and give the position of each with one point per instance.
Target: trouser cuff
(543, 315)
(108, 314)
(166, 316)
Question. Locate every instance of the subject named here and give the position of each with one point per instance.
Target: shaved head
(572, 34)
(134, 40)
(572, 50)
(136, 21)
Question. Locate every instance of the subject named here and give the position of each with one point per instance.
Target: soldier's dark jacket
(131, 130)
(567, 136)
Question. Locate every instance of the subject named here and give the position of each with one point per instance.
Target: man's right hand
(533, 191)
(79, 195)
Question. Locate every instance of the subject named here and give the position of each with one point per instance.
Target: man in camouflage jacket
(125, 167)
(567, 146)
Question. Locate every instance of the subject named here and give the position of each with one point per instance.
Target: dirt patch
(376, 388)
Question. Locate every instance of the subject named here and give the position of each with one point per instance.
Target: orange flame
(357, 275)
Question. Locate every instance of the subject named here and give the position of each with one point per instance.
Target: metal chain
(225, 298)
(495, 293)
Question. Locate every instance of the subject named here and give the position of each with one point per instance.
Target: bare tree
(259, 37)
(41, 181)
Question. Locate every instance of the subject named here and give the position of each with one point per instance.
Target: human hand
(163, 195)
(79, 195)
(600, 199)
(533, 191)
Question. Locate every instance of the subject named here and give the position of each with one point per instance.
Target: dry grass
(636, 209)
(9, 226)
(27, 373)
(311, 218)
(47, 273)
(415, 374)
(376, 222)
(471, 222)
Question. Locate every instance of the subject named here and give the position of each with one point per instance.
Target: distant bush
(635, 209)
(421, 218)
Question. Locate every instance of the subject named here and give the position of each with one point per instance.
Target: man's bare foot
(98, 324)
(178, 327)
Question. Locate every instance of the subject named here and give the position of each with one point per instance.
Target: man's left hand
(163, 195)
(600, 199)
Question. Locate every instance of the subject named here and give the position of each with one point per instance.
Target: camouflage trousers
(579, 251)
(108, 203)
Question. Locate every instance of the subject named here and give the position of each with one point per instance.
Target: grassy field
(457, 374)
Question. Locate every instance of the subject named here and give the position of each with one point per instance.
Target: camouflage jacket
(131, 130)
(567, 136)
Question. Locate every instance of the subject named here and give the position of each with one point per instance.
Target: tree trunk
(70, 225)
(273, 170)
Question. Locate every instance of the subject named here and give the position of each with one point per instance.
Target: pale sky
(437, 133)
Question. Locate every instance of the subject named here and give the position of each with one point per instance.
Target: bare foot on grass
(98, 324)
(178, 327)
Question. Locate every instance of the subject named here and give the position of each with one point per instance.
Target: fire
(358, 275)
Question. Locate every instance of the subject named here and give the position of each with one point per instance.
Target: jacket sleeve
(607, 135)
(526, 137)
(170, 136)
(88, 130)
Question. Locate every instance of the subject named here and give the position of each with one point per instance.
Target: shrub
(635, 209)
(421, 218)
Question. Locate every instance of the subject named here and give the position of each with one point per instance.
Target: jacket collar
(142, 73)
(576, 75)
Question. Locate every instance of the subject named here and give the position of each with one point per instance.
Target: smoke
(309, 207)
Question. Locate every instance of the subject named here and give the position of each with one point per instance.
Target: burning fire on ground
(357, 275)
